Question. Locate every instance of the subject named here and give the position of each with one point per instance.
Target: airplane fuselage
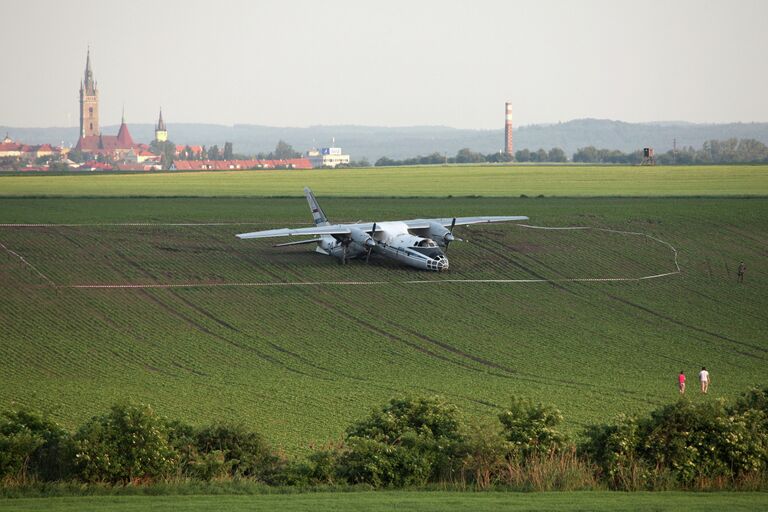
(392, 240)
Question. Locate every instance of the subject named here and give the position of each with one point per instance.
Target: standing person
(681, 382)
(704, 379)
(740, 272)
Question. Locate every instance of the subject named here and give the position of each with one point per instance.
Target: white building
(327, 157)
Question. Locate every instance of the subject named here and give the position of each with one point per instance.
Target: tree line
(411, 441)
(729, 151)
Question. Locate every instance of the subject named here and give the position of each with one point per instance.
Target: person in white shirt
(704, 379)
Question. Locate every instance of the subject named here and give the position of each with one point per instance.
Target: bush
(33, 446)
(410, 441)
(682, 443)
(531, 428)
(235, 451)
(130, 443)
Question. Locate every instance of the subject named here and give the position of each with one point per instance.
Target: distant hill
(373, 142)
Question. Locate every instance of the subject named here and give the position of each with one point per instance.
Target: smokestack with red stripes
(508, 130)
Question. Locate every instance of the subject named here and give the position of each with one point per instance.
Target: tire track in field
(381, 332)
(340, 312)
(249, 259)
(509, 373)
(518, 374)
(511, 249)
(504, 257)
(393, 337)
(200, 327)
(694, 328)
(227, 325)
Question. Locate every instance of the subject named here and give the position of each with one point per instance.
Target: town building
(161, 132)
(232, 165)
(327, 157)
(30, 153)
(92, 141)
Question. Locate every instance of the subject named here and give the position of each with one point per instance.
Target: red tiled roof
(94, 143)
(10, 146)
(226, 165)
(124, 136)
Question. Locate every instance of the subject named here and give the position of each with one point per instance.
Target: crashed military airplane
(420, 243)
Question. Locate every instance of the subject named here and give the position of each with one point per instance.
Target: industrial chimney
(508, 130)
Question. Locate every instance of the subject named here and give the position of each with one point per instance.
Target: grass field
(407, 501)
(299, 362)
(412, 181)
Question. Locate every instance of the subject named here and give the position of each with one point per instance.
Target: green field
(412, 181)
(276, 339)
(407, 501)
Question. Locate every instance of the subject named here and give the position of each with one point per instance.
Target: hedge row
(410, 442)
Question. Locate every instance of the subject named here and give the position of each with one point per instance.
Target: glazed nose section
(438, 263)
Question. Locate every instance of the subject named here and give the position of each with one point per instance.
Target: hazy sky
(386, 63)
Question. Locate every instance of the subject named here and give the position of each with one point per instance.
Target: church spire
(161, 132)
(160, 122)
(88, 83)
(89, 101)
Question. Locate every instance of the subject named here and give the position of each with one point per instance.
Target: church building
(92, 141)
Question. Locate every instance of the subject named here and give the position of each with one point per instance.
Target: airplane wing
(462, 221)
(337, 229)
(300, 242)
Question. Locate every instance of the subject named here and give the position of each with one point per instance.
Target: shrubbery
(127, 444)
(32, 446)
(684, 444)
(411, 441)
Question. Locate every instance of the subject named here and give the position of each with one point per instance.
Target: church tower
(161, 133)
(89, 102)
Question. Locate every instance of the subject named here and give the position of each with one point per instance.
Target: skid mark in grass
(188, 369)
(520, 375)
(694, 328)
(203, 329)
(204, 312)
(391, 336)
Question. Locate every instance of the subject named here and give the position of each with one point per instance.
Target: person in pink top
(681, 382)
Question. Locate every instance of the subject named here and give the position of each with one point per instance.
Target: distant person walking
(704, 379)
(681, 382)
(740, 272)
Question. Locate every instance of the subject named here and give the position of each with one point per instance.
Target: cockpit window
(426, 242)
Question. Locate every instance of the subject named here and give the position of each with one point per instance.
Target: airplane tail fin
(317, 213)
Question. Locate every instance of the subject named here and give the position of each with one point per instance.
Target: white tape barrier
(354, 283)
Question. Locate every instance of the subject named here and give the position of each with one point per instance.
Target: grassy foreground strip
(405, 501)
(411, 181)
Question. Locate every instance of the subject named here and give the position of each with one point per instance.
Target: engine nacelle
(361, 237)
(440, 234)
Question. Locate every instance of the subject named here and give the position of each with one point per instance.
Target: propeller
(371, 243)
(448, 237)
(345, 247)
